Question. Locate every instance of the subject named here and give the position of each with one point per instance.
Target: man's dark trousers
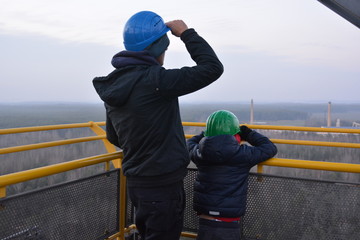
(159, 211)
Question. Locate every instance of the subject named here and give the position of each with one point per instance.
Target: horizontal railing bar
(328, 166)
(31, 174)
(49, 127)
(100, 123)
(27, 175)
(305, 129)
(44, 128)
(195, 124)
(290, 128)
(308, 143)
(317, 143)
(314, 165)
(50, 144)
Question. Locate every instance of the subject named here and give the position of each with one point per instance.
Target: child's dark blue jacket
(220, 188)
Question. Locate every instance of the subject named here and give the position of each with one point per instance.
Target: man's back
(143, 115)
(148, 127)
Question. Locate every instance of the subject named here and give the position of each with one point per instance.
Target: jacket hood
(115, 88)
(218, 149)
(126, 58)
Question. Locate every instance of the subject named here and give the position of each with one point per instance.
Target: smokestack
(329, 115)
(252, 112)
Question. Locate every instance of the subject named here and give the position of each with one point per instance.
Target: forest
(290, 114)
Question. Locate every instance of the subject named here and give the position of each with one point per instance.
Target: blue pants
(213, 230)
(159, 212)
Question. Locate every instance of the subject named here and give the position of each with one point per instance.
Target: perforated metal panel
(290, 208)
(190, 217)
(278, 208)
(283, 208)
(82, 209)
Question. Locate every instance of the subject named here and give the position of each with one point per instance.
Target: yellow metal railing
(27, 175)
(113, 156)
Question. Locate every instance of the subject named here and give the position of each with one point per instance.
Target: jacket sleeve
(110, 132)
(193, 147)
(177, 82)
(261, 150)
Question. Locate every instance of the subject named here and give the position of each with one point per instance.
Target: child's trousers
(214, 230)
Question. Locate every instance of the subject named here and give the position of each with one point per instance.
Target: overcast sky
(272, 51)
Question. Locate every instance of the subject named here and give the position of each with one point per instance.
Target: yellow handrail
(43, 128)
(49, 127)
(116, 156)
(315, 165)
(308, 143)
(274, 162)
(317, 143)
(13, 178)
(305, 129)
(289, 128)
(49, 144)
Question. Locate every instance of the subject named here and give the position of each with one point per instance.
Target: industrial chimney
(252, 112)
(329, 115)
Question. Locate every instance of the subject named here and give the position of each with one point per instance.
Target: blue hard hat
(142, 29)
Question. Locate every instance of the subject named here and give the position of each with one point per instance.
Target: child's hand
(244, 132)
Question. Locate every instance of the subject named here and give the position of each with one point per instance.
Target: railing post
(109, 147)
(260, 169)
(122, 205)
(117, 164)
(2, 192)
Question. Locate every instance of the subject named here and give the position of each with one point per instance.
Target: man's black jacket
(142, 109)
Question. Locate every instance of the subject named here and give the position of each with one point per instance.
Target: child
(220, 188)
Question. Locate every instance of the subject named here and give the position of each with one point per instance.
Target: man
(143, 119)
(220, 188)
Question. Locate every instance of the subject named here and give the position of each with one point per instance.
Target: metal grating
(190, 218)
(82, 209)
(292, 208)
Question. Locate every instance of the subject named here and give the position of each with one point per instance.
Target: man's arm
(110, 132)
(177, 82)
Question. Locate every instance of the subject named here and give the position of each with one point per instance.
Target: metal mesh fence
(292, 208)
(284, 208)
(82, 209)
(277, 208)
(190, 217)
